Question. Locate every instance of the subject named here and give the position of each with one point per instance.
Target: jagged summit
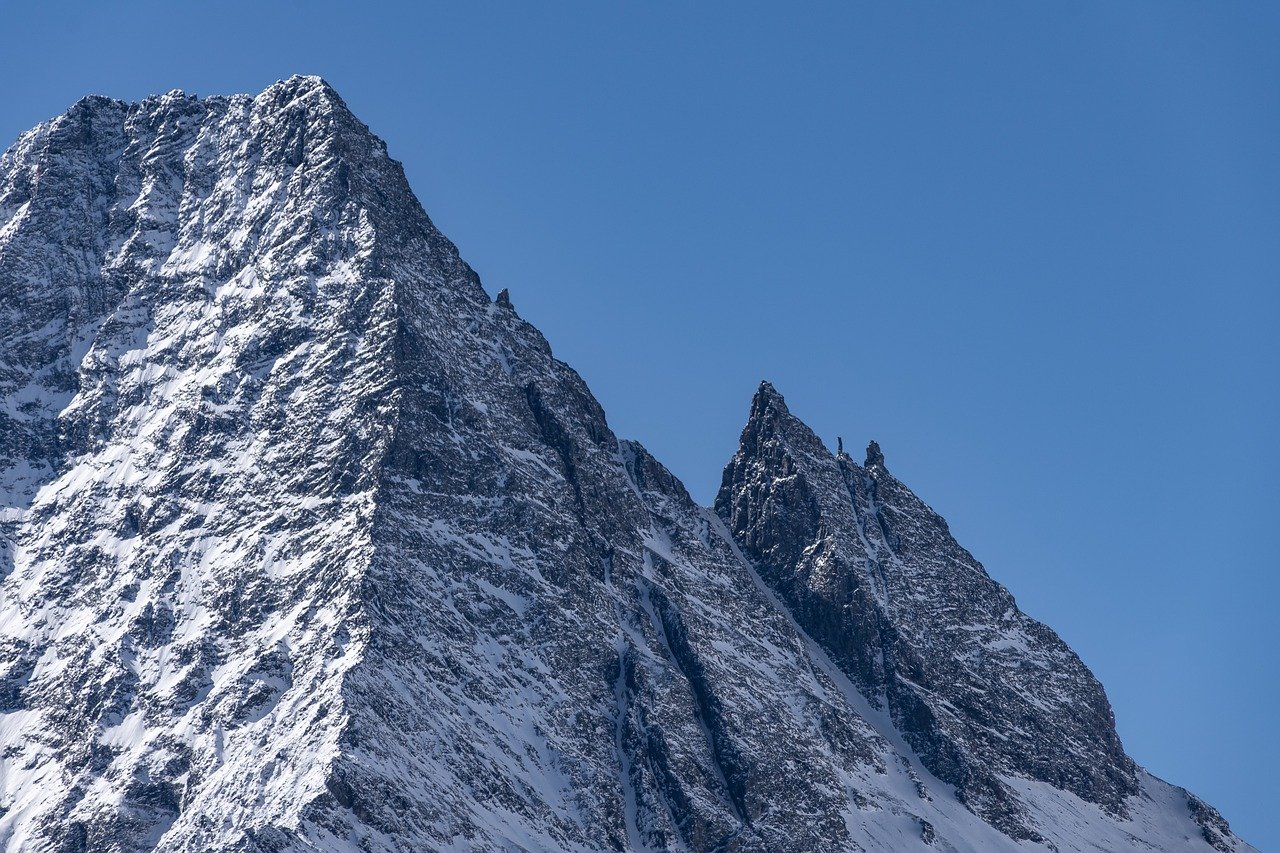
(307, 91)
(308, 545)
(767, 396)
(875, 458)
(300, 84)
(766, 389)
(299, 90)
(977, 688)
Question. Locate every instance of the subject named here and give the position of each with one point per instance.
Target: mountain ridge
(311, 545)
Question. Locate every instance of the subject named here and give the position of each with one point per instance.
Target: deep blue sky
(1032, 248)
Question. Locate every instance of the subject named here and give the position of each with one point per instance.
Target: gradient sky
(1031, 248)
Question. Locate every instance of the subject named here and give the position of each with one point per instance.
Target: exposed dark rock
(977, 689)
(307, 544)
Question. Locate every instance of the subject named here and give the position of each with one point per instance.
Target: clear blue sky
(1032, 248)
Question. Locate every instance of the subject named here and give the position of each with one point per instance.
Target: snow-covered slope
(308, 544)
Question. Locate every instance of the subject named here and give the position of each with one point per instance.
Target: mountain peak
(308, 82)
(843, 549)
(768, 398)
(304, 545)
(767, 390)
(303, 88)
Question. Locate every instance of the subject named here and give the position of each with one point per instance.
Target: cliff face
(310, 545)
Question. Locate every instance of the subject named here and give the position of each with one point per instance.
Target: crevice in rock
(729, 763)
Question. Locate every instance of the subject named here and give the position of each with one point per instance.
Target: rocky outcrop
(978, 689)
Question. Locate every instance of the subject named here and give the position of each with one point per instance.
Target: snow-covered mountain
(308, 544)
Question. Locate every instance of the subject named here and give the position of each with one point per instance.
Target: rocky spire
(843, 549)
(767, 395)
(875, 459)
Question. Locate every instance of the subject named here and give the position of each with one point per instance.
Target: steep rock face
(308, 541)
(187, 543)
(310, 545)
(977, 688)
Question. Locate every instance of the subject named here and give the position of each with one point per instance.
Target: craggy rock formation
(308, 544)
